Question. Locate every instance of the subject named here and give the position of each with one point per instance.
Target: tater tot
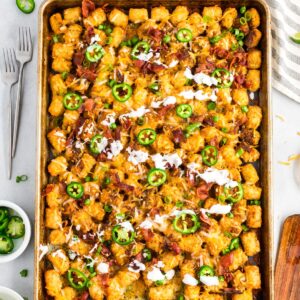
(118, 18)
(160, 13)
(254, 59)
(138, 15)
(179, 14)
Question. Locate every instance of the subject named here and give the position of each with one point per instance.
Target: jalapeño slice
(184, 111)
(186, 223)
(146, 136)
(206, 271)
(75, 190)
(234, 194)
(122, 92)
(15, 228)
(77, 279)
(156, 177)
(223, 77)
(210, 155)
(184, 35)
(94, 53)
(6, 244)
(4, 213)
(139, 48)
(72, 101)
(26, 6)
(122, 236)
(96, 139)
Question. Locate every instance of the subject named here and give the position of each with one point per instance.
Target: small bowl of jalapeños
(15, 231)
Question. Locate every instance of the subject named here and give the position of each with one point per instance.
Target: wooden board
(287, 272)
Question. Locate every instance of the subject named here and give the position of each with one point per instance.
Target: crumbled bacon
(138, 63)
(119, 75)
(147, 234)
(155, 34)
(203, 190)
(87, 73)
(148, 67)
(239, 79)
(173, 246)
(62, 188)
(126, 123)
(121, 185)
(48, 189)
(78, 58)
(103, 279)
(89, 237)
(228, 276)
(209, 121)
(239, 59)
(182, 54)
(87, 7)
(214, 142)
(206, 68)
(178, 136)
(204, 218)
(139, 257)
(154, 211)
(84, 296)
(89, 104)
(225, 262)
(219, 52)
(102, 157)
(105, 251)
(163, 111)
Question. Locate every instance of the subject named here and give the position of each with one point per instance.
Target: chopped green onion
(230, 215)
(107, 208)
(248, 16)
(223, 141)
(234, 46)
(166, 39)
(88, 178)
(240, 152)
(254, 202)
(108, 30)
(159, 282)
(111, 83)
(228, 234)
(87, 202)
(215, 118)
(211, 105)
(201, 203)
(64, 75)
(55, 38)
(244, 108)
(243, 21)
(241, 43)
(106, 105)
(245, 228)
(243, 9)
(113, 126)
(240, 36)
(140, 121)
(221, 278)
(224, 129)
(21, 178)
(24, 273)
(134, 40)
(109, 40)
(102, 27)
(179, 204)
(167, 199)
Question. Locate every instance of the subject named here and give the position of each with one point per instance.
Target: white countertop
(285, 142)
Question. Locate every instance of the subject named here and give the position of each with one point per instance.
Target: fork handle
(17, 112)
(9, 135)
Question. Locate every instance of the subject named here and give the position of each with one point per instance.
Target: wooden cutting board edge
(287, 269)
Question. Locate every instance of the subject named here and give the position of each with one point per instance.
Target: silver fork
(24, 55)
(9, 77)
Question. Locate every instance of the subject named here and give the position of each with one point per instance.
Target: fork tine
(12, 59)
(7, 61)
(4, 61)
(29, 40)
(19, 39)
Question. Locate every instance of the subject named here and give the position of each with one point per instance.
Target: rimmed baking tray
(51, 6)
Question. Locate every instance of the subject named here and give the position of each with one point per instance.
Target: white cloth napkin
(285, 53)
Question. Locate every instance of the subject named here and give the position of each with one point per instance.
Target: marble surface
(285, 142)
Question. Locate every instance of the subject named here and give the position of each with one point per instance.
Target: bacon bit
(163, 111)
(204, 218)
(78, 58)
(214, 142)
(225, 262)
(139, 257)
(239, 79)
(228, 276)
(89, 237)
(245, 147)
(280, 117)
(138, 63)
(190, 178)
(202, 192)
(182, 54)
(103, 279)
(126, 123)
(154, 211)
(219, 52)
(239, 59)
(155, 68)
(209, 121)
(119, 75)
(84, 296)
(155, 34)
(105, 251)
(86, 73)
(173, 246)
(121, 185)
(178, 136)
(87, 7)
(89, 104)
(62, 188)
(147, 234)
(48, 189)
(206, 68)
(102, 157)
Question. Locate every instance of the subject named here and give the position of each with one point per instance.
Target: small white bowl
(21, 243)
(8, 294)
